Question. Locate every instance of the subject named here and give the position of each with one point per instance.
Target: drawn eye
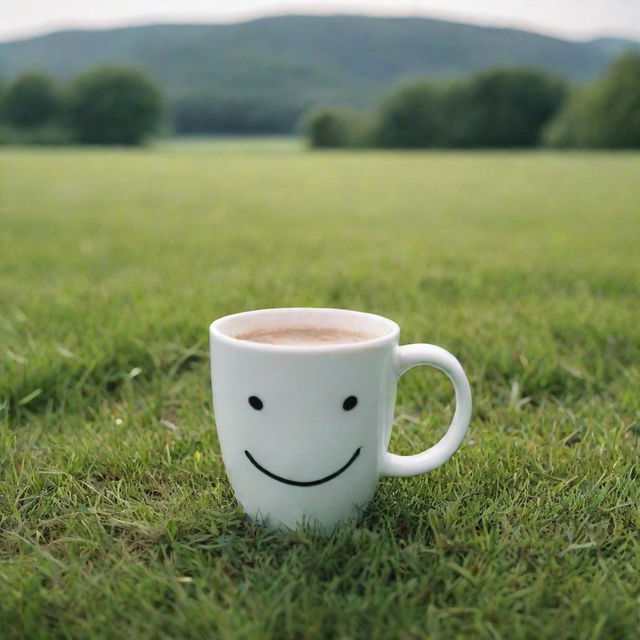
(255, 402)
(349, 403)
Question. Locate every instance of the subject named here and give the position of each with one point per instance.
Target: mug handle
(409, 356)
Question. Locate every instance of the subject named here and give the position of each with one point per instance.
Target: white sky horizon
(567, 19)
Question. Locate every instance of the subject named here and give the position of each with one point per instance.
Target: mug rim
(392, 334)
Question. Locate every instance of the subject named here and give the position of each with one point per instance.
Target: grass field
(116, 519)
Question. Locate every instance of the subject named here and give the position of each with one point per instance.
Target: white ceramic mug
(296, 445)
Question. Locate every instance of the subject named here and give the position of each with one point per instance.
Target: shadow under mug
(304, 429)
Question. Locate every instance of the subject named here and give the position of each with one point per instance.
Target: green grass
(116, 519)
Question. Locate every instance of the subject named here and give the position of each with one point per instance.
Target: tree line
(494, 108)
(107, 105)
(122, 105)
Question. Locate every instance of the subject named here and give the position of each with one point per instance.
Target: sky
(573, 19)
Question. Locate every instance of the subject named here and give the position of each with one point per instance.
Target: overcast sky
(575, 19)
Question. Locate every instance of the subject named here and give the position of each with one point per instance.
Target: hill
(261, 74)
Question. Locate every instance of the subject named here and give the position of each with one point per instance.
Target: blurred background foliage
(492, 109)
(106, 105)
(605, 114)
(113, 106)
(395, 83)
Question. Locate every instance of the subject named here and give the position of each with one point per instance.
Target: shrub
(501, 108)
(330, 127)
(570, 127)
(605, 114)
(30, 101)
(410, 117)
(111, 105)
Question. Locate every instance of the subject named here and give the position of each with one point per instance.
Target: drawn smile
(299, 483)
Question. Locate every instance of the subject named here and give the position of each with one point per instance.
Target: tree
(410, 117)
(332, 127)
(111, 105)
(501, 108)
(605, 114)
(31, 101)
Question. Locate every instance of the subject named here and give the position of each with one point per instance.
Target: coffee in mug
(308, 336)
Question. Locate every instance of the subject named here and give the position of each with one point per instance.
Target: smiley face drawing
(349, 404)
(300, 432)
